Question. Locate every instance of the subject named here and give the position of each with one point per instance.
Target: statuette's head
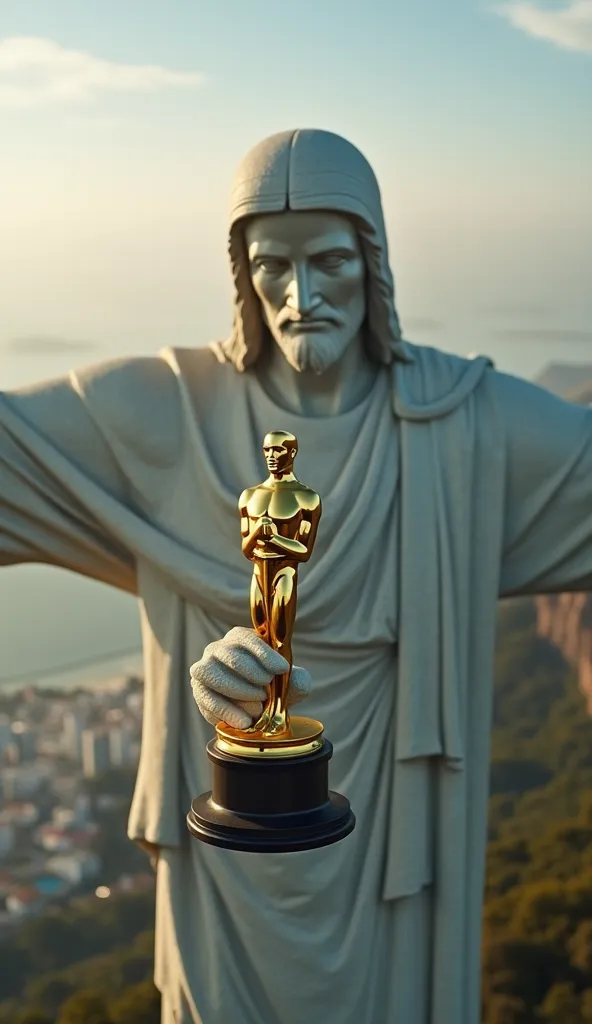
(280, 449)
(309, 274)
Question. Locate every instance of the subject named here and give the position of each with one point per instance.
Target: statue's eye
(271, 265)
(332, 260)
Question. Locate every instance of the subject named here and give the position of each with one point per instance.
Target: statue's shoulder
(246, 496)
(432, 382)
(210, 387)
(146, 400)
(308, 499)
(429, 361)
(136, 378)
(134, 402)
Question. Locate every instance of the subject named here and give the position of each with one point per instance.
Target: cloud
(41, 345)
(568, 26)
(35, 72)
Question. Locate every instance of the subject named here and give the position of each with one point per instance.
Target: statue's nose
(300, 296)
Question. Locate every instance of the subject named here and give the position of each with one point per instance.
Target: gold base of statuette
(305, 736)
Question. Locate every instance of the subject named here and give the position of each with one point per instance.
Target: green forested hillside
(92, 964)
(87, 963)
(537, 933)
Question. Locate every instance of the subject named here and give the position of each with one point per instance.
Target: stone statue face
(309, 274)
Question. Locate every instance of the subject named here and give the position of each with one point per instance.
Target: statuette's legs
(273, 612)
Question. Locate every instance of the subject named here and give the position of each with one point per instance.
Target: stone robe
(461, 484)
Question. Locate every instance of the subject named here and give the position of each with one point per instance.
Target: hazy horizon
(121, 128)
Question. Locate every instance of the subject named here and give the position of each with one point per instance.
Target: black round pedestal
(270, 805)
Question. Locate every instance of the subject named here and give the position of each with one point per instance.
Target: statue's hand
(267, 527)
(229, 682)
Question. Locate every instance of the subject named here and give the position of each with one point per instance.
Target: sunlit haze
(121, 126)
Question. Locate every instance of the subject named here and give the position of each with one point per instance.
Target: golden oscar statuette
(270, 788)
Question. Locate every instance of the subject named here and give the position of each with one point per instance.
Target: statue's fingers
(242, 663)
(252, 707)
(217, 676)
(209, 717)
(239, 643)
(300, 684)
(216, 708)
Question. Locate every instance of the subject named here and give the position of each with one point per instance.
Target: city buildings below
(21, 782)
(6, 737)
(95, 752)
(7, 838)
(25, 741)
(54, 750)
(76, 867)
(73, 726)
(120, 745)
(63, 839)
(135, 701)
(25, 899)
(19, 813)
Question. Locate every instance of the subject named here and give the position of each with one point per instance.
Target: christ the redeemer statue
(448, 484)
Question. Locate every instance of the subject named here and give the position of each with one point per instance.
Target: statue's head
(280, 449)
(307, 242)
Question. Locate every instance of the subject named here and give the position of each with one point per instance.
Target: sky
(121, 124)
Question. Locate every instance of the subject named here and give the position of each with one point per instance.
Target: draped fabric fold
(443, 538)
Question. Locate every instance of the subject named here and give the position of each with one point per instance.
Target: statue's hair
(280, 435)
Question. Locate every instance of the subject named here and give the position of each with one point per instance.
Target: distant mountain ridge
(568, 380)
(583, 395)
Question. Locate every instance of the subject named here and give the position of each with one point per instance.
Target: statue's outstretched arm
(50, 444)
(548, 499)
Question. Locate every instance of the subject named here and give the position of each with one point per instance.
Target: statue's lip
(306, 324)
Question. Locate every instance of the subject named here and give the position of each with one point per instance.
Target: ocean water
(51, 619)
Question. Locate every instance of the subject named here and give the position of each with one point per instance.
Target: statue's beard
(312, 352)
